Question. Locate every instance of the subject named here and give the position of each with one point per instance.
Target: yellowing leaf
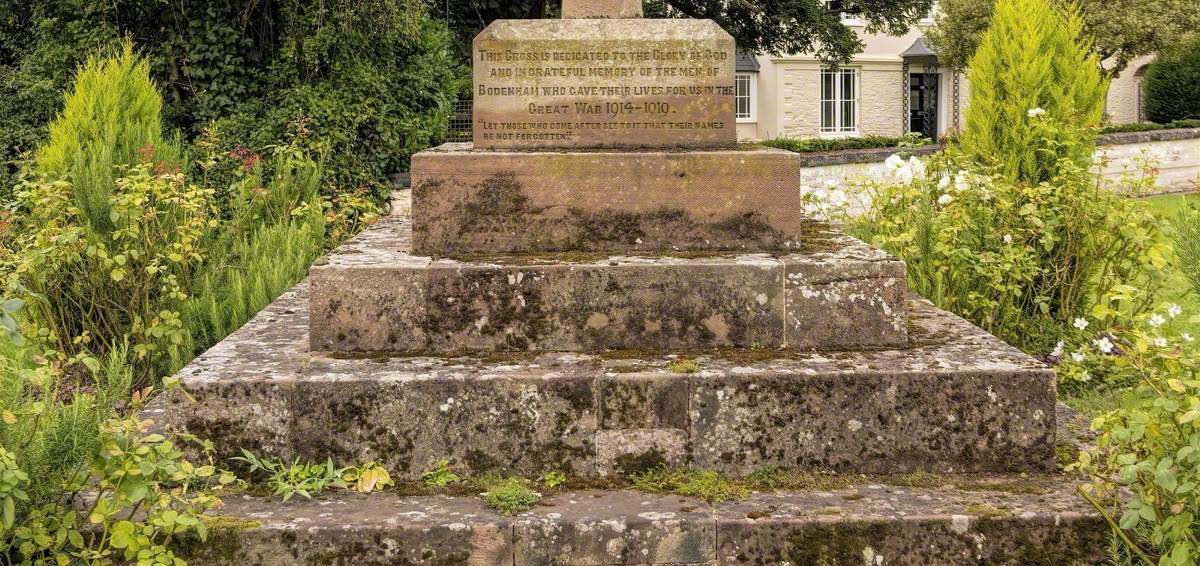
(9, 418)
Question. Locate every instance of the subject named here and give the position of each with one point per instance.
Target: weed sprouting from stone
(440, 476)
(511, 496)
(685, 366)
(987, 510)
(705, 484)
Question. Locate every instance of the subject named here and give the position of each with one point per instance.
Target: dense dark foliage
(771, 26)
(1171, 85)
(368, 82)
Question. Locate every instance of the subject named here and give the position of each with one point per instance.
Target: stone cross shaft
(602, 8)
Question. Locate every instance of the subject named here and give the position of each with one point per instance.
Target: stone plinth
(371, 296)
(469, 201)
(957, 401)
(604, 83)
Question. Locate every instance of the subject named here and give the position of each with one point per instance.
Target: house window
(839, 101)
(846, 10)
(747, 97)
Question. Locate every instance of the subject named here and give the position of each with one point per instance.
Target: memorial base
(469, 201)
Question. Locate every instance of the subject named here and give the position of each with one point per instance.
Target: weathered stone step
(372, 296)
(955, 400)
(1019, 521)
(469, 201)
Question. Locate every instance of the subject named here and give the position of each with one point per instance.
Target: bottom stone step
(1037, 520)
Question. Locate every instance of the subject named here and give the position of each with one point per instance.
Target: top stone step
(602, 8)
(604, 83)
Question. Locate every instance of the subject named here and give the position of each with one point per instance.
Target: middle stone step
(373, 296)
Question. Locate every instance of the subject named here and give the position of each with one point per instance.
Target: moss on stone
(1010, 486)
(684, 366)
(629, 465)
(705, 484)
(229, 524)
(987, 510)
(921, 478)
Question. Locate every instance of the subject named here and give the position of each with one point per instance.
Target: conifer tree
(1036, 92)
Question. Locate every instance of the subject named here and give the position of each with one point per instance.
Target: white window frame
(838, 130)
(751, 79)
(929, 17)
(847, 18)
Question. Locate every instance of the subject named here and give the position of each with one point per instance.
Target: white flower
(943, 182)
(832, 184)
(1160, 342)
(1085, 376)
(1035, 112)
(1008, 238)
(1104, 345)
(1058, 349)
(917, 166)
(1081, 323)
(894, 162)
(945, 199)
(1174, 310)
(1078, 357)
(960, 182)
(1157, 320)
(904, 174)
(1188, 337)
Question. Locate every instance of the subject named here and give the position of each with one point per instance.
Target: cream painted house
(893, 87)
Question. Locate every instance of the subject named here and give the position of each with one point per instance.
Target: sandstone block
(589, 83)
(469, 201)
(602, 8)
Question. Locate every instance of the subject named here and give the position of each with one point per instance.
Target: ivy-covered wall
(364, 84)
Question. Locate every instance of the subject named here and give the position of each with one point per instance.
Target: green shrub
(89, 291)
(812, 145)
(59, 442)
(1032, 68)
(373, 81)
(1145, 467)
(41, 45)
(368, 82)
(1020, 260)
(112, 120)
(1172, 91)
(1149, 126)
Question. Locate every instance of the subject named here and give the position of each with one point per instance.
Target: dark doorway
(923, 104)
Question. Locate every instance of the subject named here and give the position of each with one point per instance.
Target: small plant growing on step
(367, 478)
(440, 476)
(511, 496)
(705, 484)
(554, 479)
(299, 478)
(684, 366)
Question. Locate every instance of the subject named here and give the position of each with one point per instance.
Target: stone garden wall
(1176, 153)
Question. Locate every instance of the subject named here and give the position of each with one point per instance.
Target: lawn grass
(1177, 290)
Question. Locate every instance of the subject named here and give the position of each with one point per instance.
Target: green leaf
(12, 305)
(92, 364)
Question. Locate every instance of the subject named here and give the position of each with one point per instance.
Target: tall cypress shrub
(112, 119)
(1036, 92)
(1173, 85)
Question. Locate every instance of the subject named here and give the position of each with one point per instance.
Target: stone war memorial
(603, 283)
